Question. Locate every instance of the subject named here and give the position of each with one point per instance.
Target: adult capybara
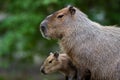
(89, 44)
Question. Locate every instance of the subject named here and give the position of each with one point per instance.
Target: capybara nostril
(43, 28)
(42, 70)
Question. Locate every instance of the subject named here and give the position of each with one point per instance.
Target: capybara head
(51, 64)
(57, 24)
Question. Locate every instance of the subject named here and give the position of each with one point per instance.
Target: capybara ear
(56, 55)
(72, 10)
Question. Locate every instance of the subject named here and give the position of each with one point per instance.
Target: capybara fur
(89, 44)
(59, 62)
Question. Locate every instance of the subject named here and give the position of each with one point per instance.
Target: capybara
(89, 45)
(59, 62)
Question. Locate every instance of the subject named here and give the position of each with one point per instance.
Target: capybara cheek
(50, 33)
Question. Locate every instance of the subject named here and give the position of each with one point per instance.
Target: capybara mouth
(43, 32)
(45, 36)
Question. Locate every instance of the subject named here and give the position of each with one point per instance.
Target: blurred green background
(22, 47)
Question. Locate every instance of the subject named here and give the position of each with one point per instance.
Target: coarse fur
(59, 62)
(89, 44)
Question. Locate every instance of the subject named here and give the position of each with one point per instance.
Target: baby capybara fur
(59, 62)
(89, 44)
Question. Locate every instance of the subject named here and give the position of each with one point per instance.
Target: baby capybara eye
(50, 61)
(60, 16)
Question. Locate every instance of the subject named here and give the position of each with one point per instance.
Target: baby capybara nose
(42, 70)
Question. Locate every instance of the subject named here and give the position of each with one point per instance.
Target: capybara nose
(42, 70)
(43, 26)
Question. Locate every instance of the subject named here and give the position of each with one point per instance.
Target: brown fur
(89, 44)
(59, 63)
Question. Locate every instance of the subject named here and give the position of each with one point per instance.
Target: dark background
(22, 48)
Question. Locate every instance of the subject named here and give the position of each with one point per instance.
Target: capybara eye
(50, 61)
(60, 16)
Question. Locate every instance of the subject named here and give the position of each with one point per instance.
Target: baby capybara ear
(72, 10)
(56, 55)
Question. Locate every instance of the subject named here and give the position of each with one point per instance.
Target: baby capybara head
(51, 64)
(56, 24)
